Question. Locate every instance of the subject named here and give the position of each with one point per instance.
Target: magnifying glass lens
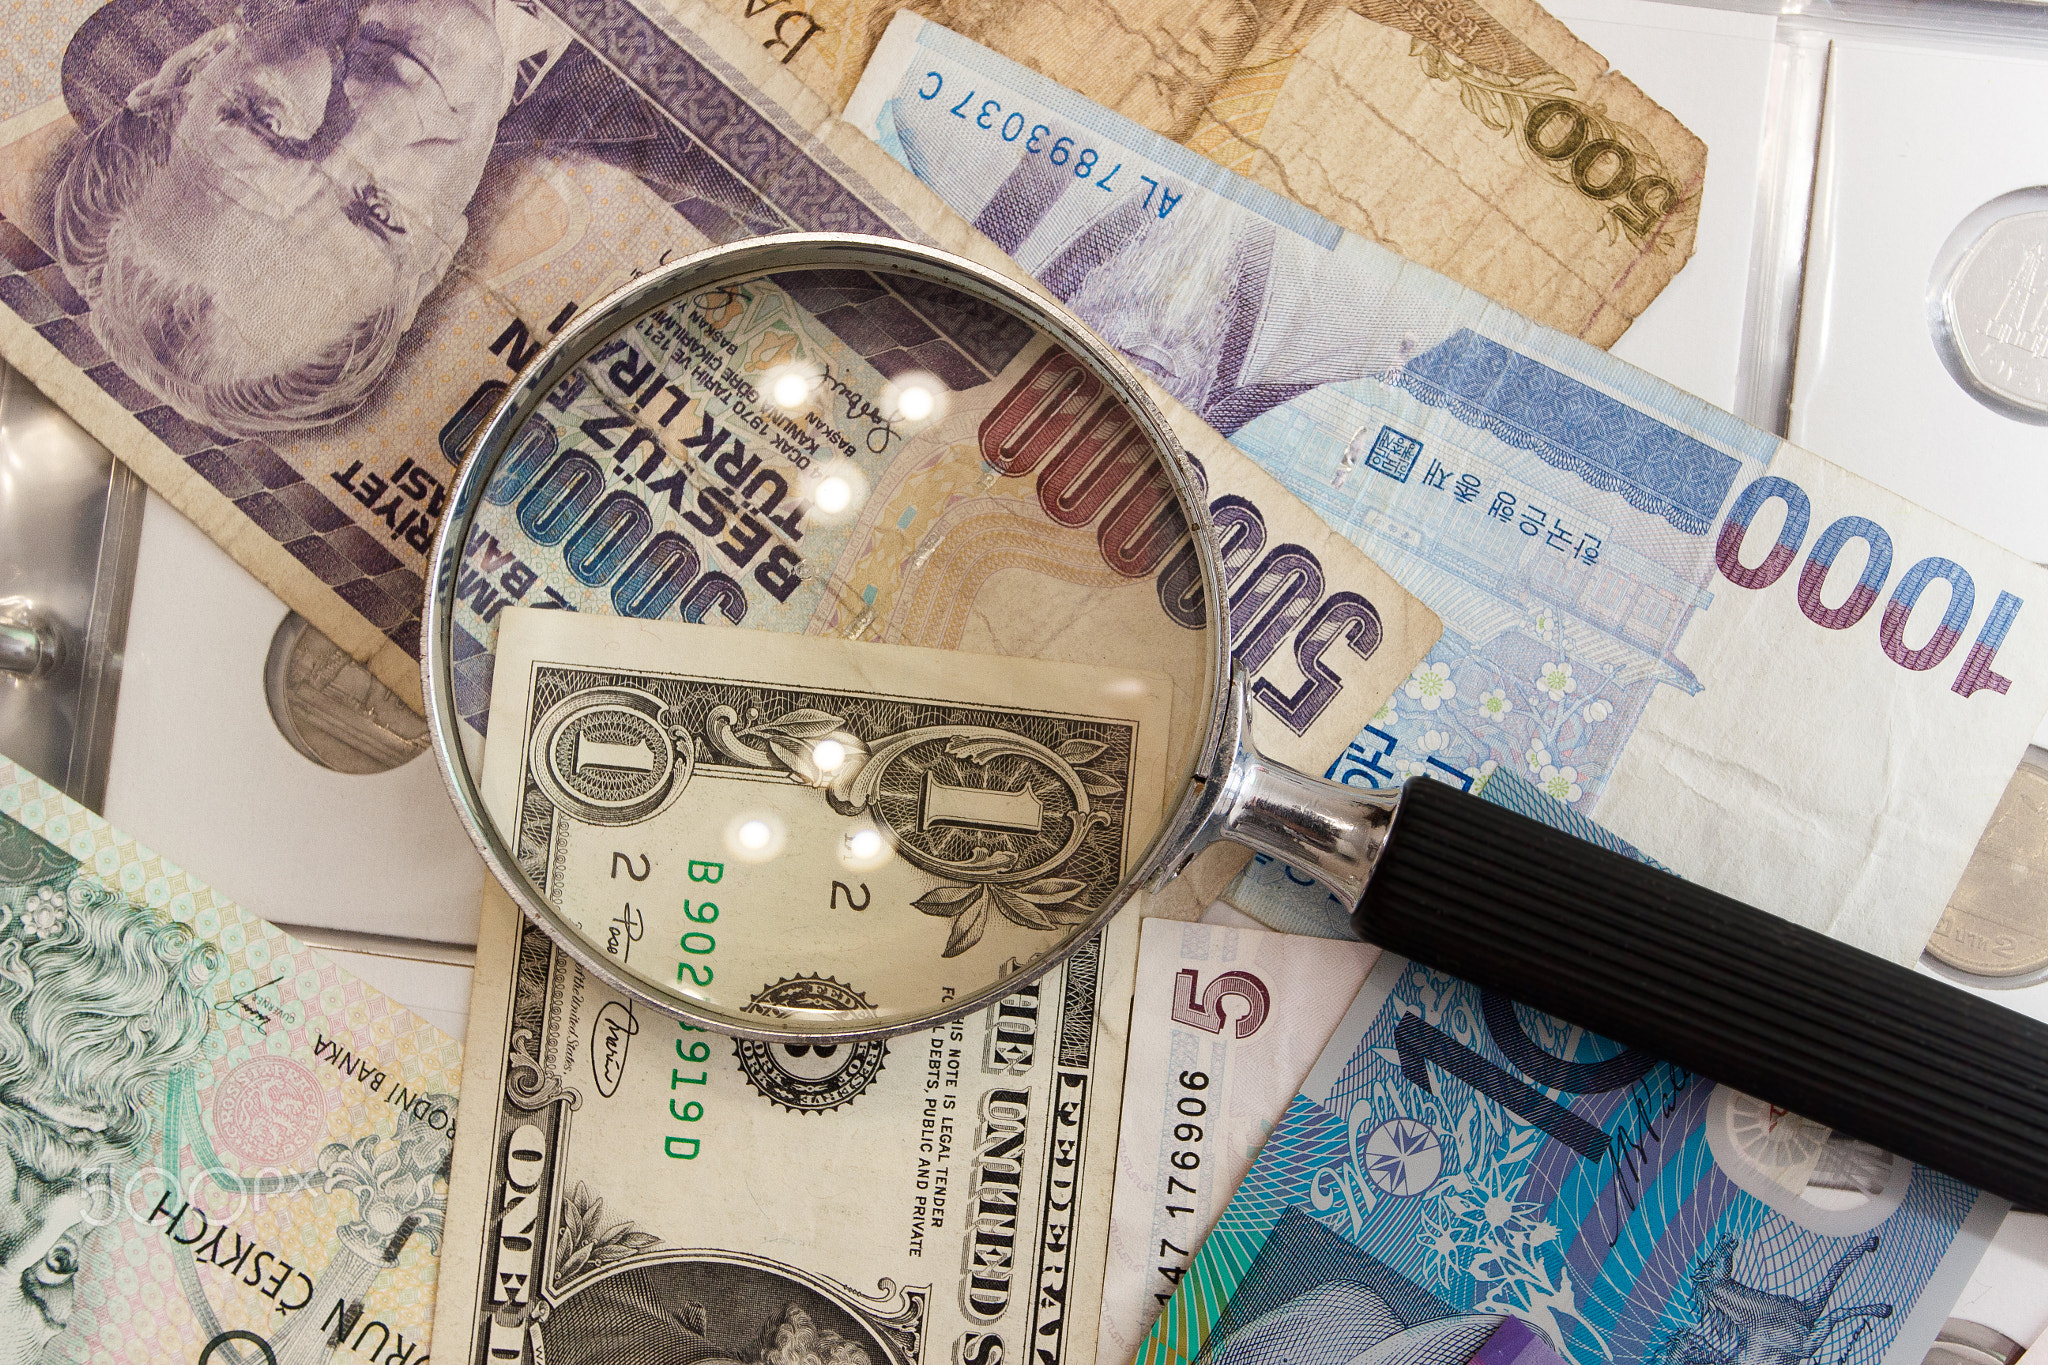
(874, 648)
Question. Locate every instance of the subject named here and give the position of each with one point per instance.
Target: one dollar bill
(217, 1144)
(647, 1190)
(915, 823)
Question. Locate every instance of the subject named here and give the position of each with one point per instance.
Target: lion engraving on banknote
(98, 1006)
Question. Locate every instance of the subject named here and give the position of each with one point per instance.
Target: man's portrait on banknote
(261, 196)
(724, 1311)
(98, 1006)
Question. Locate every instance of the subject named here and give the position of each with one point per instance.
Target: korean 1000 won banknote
(1800, 689)
(218, 1144)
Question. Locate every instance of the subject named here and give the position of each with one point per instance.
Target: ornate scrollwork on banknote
(1016, 817)
(1577, 145)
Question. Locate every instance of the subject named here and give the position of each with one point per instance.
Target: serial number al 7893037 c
(1038, 140)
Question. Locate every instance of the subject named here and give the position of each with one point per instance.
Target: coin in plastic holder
(1988, 304)
(889, 650)
(1996, 926)
(331, 708)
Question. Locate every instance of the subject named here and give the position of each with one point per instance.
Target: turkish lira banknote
(1225, 1022)
(283, 260)
(1486, 142)
(217, 1145)
(1798, 688)
(914, 824)
(1453, 1157)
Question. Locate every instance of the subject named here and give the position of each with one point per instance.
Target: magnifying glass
(1014, 711)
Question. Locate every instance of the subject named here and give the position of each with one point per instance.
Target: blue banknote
(1454, 1156)
(1615, 633)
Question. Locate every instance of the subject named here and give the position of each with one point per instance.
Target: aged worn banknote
(1798, 688)
(1224, 1024)
(284, 260)
(1453, 1157)
(1483, 141)
(636, 1190)
(870, 811)
(217, 1145)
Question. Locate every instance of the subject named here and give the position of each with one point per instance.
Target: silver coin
(1996, 924)
(1963, 1342)
(331, 709)
(1990, 313)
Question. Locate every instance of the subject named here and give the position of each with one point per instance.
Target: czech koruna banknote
(217, 1146)
(644, 1191)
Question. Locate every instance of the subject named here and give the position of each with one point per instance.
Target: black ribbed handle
(1776, 1010)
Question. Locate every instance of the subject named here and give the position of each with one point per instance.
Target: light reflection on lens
(916, 402)
(865, 848)
(755, 836)
(790, 391)
(828, 754)
(915, 396)
(834, 494)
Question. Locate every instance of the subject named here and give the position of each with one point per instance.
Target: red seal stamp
(269, 1109)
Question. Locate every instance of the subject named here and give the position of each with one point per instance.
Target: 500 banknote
(1798, 688)
(1486, 142)
(218, 1145)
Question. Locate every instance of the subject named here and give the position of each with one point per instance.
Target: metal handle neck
(28, 646)
(1332, 832)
